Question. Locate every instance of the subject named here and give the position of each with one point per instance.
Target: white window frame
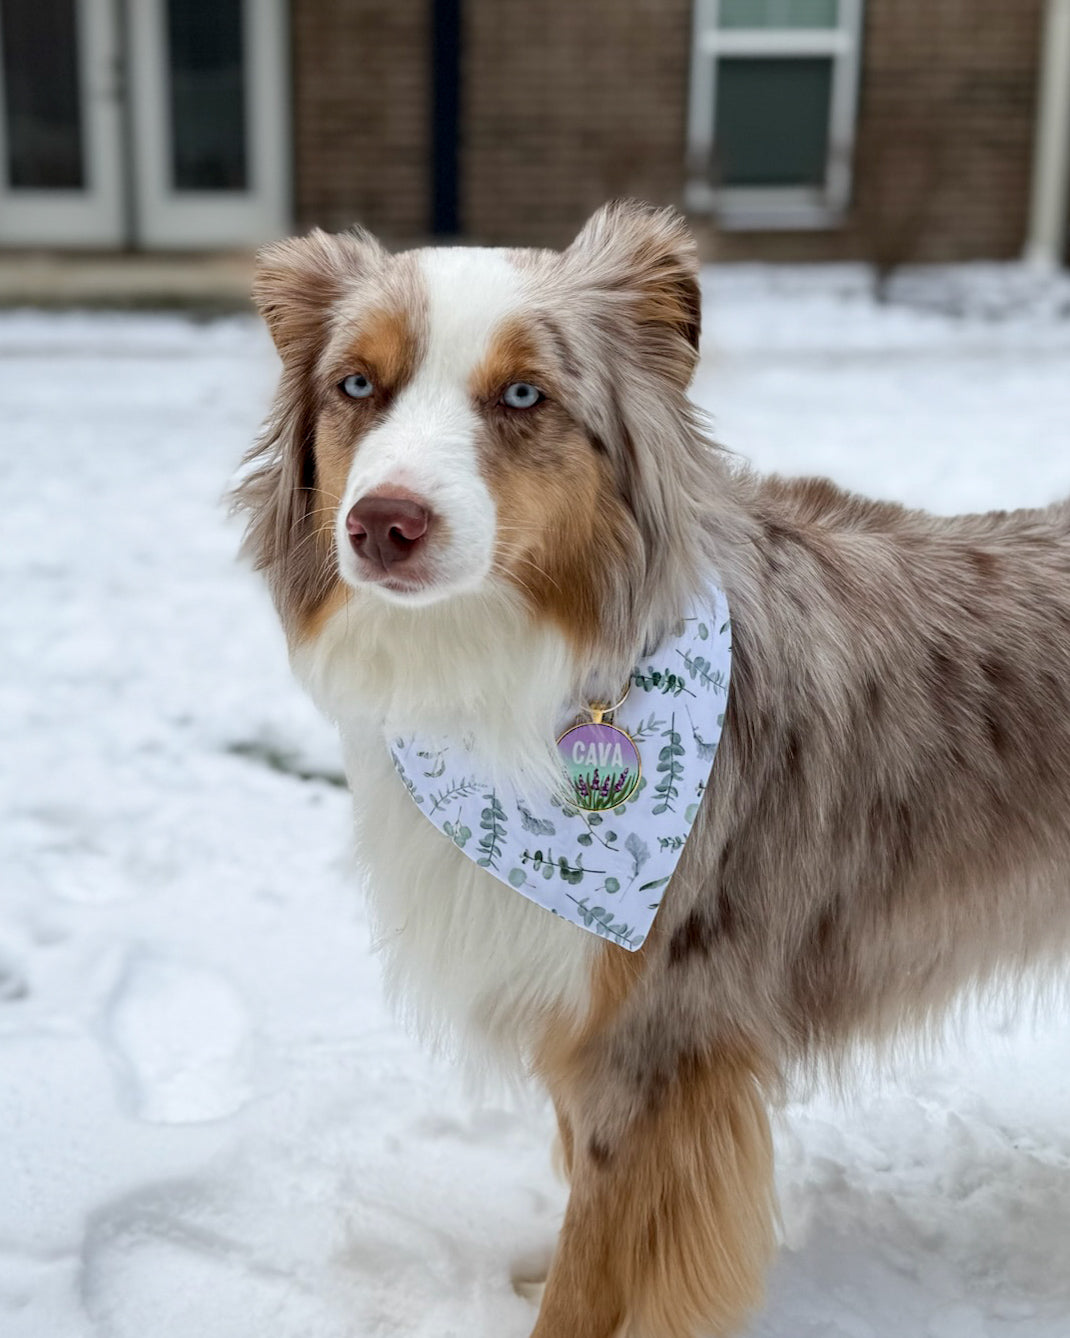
(768, 207)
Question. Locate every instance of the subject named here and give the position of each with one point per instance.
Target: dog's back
(891, 812)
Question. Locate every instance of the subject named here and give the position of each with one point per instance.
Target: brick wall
(568, 103)
(361, 106)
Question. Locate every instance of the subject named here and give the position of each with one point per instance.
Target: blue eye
(357, 386)
(520, 395)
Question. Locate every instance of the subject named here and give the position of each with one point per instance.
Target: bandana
(605, 870)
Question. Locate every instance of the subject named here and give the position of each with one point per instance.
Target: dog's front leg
(669, 1224)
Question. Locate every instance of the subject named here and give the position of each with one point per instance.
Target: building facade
(886, 130)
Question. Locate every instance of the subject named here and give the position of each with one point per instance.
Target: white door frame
(165, 217)
(1048, 222)
(95, 215)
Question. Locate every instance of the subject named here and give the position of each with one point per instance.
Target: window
(43, 95)
(206, 70)
(774, 89)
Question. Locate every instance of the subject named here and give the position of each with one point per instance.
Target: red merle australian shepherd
(481, 494)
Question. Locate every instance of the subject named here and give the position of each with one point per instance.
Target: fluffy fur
(888, 818)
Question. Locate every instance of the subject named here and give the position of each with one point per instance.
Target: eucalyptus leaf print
(661, 680)
(461, 789)
(458, 833)
(639, 851)
(570, 873)
(405, 777)
(530, 823)
(602, 922)
(492, 820)
(699, 667)
(538, 859)
(606, 839)
(667, 789)
(434, 762)
(706, 748)
(646, 728)
(545, 863)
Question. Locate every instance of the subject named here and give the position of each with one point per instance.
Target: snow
(210, 1126)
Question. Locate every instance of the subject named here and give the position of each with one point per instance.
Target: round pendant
(602, 764)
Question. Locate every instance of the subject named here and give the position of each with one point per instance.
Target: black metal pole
(445, 117)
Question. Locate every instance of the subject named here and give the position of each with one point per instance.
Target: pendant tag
(602, 765)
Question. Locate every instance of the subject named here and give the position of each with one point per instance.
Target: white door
(209, 122)
(151, 123)
(61, 180)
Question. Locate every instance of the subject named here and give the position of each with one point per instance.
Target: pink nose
(387, 530)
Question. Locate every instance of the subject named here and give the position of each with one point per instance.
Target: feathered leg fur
(669, 1225)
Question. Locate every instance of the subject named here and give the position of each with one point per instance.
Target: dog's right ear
(298, 281)
(297, 285)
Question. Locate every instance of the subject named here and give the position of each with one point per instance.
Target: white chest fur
(466, 958)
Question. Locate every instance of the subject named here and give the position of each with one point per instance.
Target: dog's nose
(387, 530)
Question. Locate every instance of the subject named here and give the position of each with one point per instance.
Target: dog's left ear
(644, 259)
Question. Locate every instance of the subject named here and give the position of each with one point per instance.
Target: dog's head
(449, 419)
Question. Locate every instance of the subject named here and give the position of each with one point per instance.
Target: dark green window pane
(207, 74)
(779, 13)
(42, 103)
(772, 126)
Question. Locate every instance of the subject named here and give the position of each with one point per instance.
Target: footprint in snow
(13, 983)
(182, 1036)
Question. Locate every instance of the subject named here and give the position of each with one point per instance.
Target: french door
(153, 123)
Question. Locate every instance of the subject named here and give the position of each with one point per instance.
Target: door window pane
(772, 120)
(207, 74)
(780, 13)
(42, 103)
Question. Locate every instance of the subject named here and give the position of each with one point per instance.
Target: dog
(481, 498)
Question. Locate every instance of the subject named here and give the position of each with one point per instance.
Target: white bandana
(605, 871)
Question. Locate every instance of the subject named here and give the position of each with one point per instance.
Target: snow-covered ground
(209, 1126)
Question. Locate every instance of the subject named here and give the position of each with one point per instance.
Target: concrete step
(210, 282)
